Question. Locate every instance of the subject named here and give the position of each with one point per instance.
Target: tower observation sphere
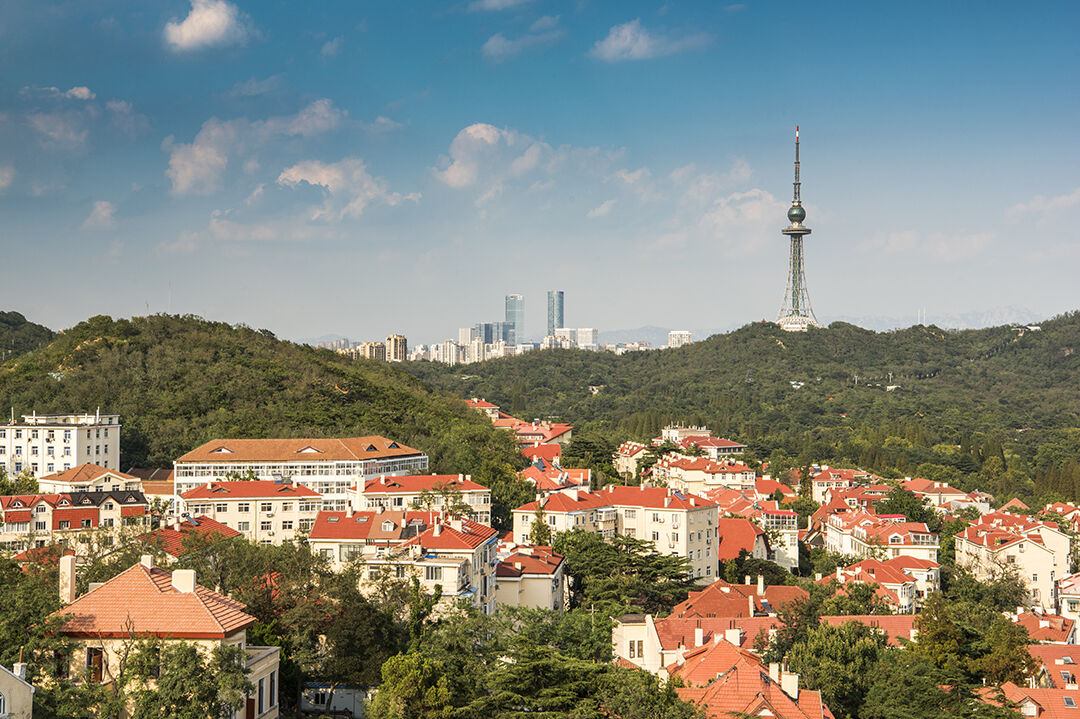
(795, 314)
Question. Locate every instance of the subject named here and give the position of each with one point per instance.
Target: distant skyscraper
(465, 335)
(796, 314)
(587, 338)
(678, 338)
(397, 348)
(556, 319)
(515, 317)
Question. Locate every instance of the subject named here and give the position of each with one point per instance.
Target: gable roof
(416, 483)
(447, 536)
(171, 539)
(529, 560)
(370, 525)
(735, 535)
(142, 600)
(259, 489)
(297, 450)
(85, 474)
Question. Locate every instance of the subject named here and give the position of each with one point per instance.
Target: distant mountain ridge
(18, 335)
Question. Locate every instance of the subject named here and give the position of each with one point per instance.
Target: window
(273, 688)
(262, 695)
(633, 648)
(40, 526)
(108, 506)
(40, 509)
(306, 524)
(266, 526)
(95, 659)
(86, 524)
(221, 508)
(286, 506)
(3, 704)
(433, 574)
(630, 514)
(287, 524)
(1069, 702)
(243, 526)
(67, 435)
(1034, 577)
(107, 522)
(65, 524)
(656, 536)
(399, 571)
(266, 507)
(243, 507)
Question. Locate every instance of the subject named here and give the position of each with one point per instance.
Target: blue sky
(367, 168)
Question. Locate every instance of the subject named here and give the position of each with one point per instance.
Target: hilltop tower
(796, 314)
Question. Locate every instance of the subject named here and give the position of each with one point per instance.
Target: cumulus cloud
(699, 188)
(631, 41)
(602, 210)
(60, 130)
(940, 246)
(499, 48)
(495, 4)
(380, 125)
(547, 22)
(125, 118)
(7, 176)
(1040, 204)
(348, 186)
(332, 47)
(101, 217)
(197, 167)
(210, 23)
(79, 92)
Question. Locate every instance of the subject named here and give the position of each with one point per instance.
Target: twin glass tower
(795, 314)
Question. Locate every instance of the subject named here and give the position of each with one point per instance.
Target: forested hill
(18, 335)
(180, 381)
(824, 392)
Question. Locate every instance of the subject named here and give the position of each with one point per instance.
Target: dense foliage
(18, 335)
(991, 409)
(178, 382)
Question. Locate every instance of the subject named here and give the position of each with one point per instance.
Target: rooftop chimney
(147, 560)
(94, 585)
(437, 530)
(183, 580)
(746, 580)
(67, 579)
(733, 636)
(789, 682)
(19, 670)
(774, 672)
(761, 584)
(699, 636)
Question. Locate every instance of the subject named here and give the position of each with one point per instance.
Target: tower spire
(795, 314)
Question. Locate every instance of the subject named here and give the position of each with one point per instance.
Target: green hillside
(959, 400)
(18, 335)
(180, 381)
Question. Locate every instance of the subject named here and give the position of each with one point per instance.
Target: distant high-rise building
(465, 335)
(588, 338)
(372, 350)
(566, 333)
(678, 338)
(555, 318)
(515, 317)
(397, 348)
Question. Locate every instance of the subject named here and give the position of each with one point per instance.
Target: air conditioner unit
(269, 514)
(270, 533)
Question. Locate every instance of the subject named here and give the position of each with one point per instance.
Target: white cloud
(254, 196)
(254, 87)
(498, 48)
(631, 41)
(63, 130)
(495, 4)
(7, 176)
(467, 150)
(125, 118)
(1041, 204)
(332, 47)
(196, 168)
(349, 187)
(380, 125)
(547, 22)
(210, 23)
(602, 210)
(185, 244)
(940, 246)
(699, 188)
(79, 92)
(101, 217)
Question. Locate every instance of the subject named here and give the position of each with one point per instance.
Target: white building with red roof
(264, 512)
(1046, 627)
(862, 534)
(548, 478)
(88, 478)
(700, 474)
(345, 537)
(1068, 595)
(944, 498)
(148, 602)
(35, 520)
(1037, 551)
(482, 405)
(458, 556)
(893, 585)
(46, 443)
(627, 458)
(1038, 703)
(328, 466)
(422, 491)
(826, 478)
(673, 522)
(531, 577)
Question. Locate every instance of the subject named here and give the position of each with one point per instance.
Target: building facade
(47, 443)
(515, 318)
(397, 348)
(35, 520)
(425, 491)
(264, 512)
(556, 316)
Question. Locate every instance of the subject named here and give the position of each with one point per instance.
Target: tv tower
(796, 314)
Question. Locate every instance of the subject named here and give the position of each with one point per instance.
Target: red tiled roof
(652, 498)
(143, 601)
(369, 525)
(736, 534)
(1057, 658)
(530, 560)
(258, 489)
(547, 452)
(1046, 627)
(416, 483)
(1050, 702)
(481, 404)
(171, 539)
(84, 474)
(721, 599)
(745, 689)
(445, 536)
(297, 450)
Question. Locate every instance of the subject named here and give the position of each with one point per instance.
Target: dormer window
(393, 445)
(388, 526)
(1069, 702)
(309, 450)
(371, 448)
(221, 450)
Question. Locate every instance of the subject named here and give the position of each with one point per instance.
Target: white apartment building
(698, 475)
(683, 525)
(330, 467)
(783, 525)
(627, 457)
(402, 492)
(588, 338)
(862, 534)
(678, 338)
(35, 520)
(47, 443)
(264, 512)
(1037, 551)
(531, 577)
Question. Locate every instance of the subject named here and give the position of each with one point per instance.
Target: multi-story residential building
(147, 602)
(1068, 594)
(627, 458)
(481, 405)
(264, 512)
(588, 338)
(425, 491)
(1037, 551)
(944, 498)
(549, 477)
(46, 443)
(372, 350)
(826, 478)
(88, 478)
(330, 467)
(397, 348)
(861, 534)
(894, 586)
(700, 474)
(531, 577)
(34, 520)
(536, 432)
(678, 338)
(345, 537)
(684, 525)
(780, 525)
(515, 318)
